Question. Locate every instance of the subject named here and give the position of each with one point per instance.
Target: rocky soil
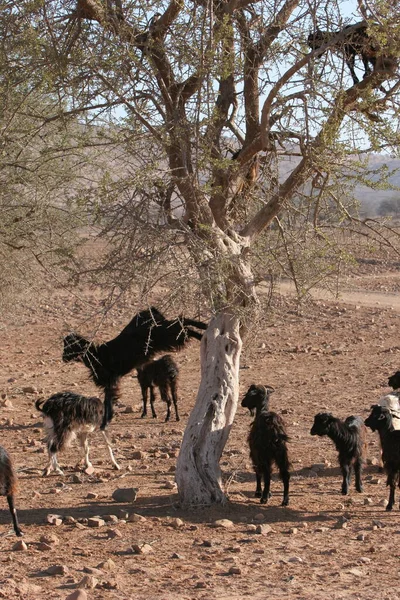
(81, 543)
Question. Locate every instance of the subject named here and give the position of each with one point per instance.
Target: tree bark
(198, 474)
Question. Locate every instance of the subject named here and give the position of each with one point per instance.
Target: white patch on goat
(391, 401)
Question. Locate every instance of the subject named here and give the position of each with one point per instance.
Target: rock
(124, 495)
(252, 528)
(263, 529)
(361, 537)
(224, 523)
(89, 470)
(356, 572)
(93, 571)
(29, 389)
(20, 546)
(295, 559)
(113, 533)
(107, 565)
(92, 496)
(96, 522)
(51, 539)
(383, 502)
(89, 582)
(169, 485)
(235, 571)
(110, 518)
(57, 570)
(135, 518)
(142, 548)
(177, 523)
(293, 530)
(76, 478)
(176, 555)
(139, 455)
(77, 595)
(368, 501)
(259, 517)
(55, 520)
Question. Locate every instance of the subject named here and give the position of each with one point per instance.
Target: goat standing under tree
(148, 333)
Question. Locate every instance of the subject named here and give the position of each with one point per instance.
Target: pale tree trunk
(198, 474)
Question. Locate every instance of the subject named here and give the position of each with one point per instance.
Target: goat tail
(38, 404)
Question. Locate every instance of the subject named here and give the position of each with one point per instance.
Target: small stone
(138, 455)
(169, 485)
(128, 410)
(89, 470)
(135, 518)
(20, 546)
(368, 501)
(55, 520)
(175, 555)
(113, 533)
(142, 548)
(29, 389)
(96, 522)
(259, 517)
(383, 502)
(76, 478)
(376, 481)
(92, 496)
(224, 523)
(88, 582)
(293, 530)
(124, 495)
(356, 572)
(263, 529)
(235, 571)
(93, 571)
(295, 559)
(110, 518)
(51, 539)
(77, 595)
(177, 523)
(69, 520)
(252, 528)
(107, 565)
(321, 529)
(361, 537)
(57, 570)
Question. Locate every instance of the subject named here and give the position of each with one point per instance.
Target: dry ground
(335, 356)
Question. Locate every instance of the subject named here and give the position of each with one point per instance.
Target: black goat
(267, 441)
(352, 40)
(162, 373)
(148, 333)
(68, 415)
(8, 486)
(394, 380)
(349, 437)
(380, 420)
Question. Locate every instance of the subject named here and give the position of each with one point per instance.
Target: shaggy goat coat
(8, 486)
(67, 416)
(268, 442)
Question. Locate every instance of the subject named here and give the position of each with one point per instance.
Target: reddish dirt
(334, 356)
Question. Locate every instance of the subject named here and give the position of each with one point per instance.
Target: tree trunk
(198, 474)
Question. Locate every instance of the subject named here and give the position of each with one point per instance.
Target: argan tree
(206, 97)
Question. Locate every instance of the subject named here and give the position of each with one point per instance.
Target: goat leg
(114, 462)
(258, 491)
(267, 484)
(13, 511)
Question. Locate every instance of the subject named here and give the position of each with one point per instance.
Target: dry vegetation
(334, 356)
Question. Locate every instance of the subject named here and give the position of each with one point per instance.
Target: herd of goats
(67, 415)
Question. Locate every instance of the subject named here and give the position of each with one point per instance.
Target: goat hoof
(359, 489)
(389, 507)
(19, 533)
(285, 503)
(264, 500)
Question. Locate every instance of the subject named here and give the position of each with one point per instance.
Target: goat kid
(147, 334)
(349, 437)
(267, 441)
(353, 40)
(8, 486)
(162, 373)
(68, 415)
(380, 420)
